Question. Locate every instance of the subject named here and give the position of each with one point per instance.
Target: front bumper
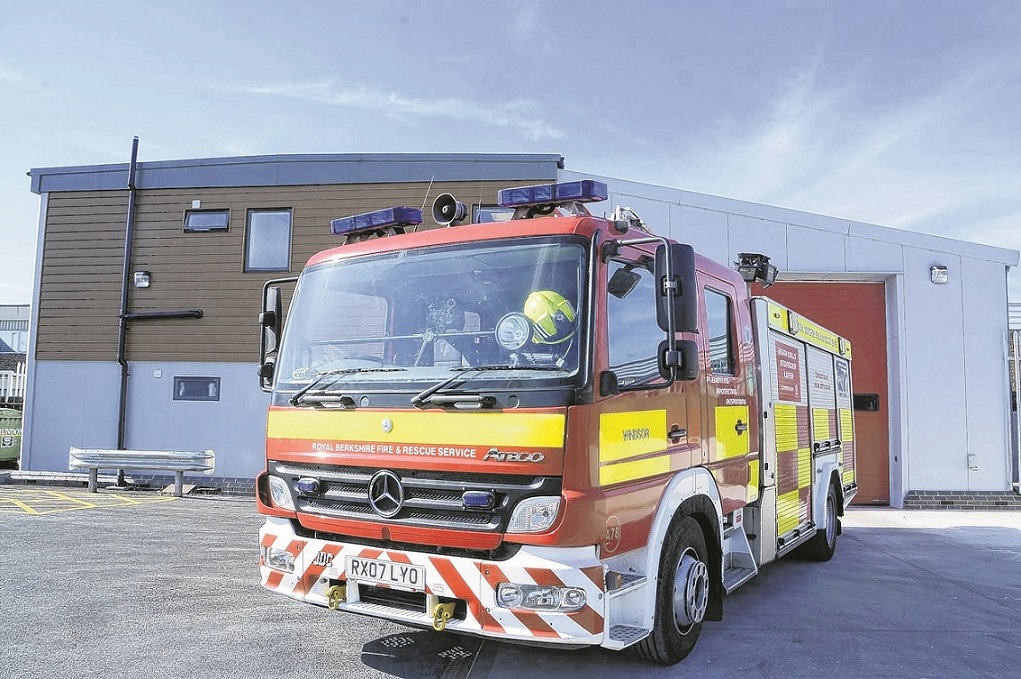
(469, 584)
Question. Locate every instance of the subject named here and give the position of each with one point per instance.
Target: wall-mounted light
(143, 279)
(939, 274)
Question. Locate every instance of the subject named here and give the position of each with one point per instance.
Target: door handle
(740, 427)
(676, 433)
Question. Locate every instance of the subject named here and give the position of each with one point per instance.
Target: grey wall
(74, 403)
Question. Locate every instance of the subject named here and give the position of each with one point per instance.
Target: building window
(196, 221)
(196, 388)
(268, 240)
(718, 311)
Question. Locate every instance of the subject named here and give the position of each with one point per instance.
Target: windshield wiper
(296, 399)
(426, 396)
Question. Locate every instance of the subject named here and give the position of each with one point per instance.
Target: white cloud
(13, 76)
(522, 116)
(899, 163)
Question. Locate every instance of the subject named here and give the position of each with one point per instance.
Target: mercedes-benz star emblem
(387, 425)
(386, 494)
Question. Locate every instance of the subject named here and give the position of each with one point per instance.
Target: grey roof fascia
(300, 170)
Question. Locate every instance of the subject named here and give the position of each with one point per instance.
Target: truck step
(735, 576)
(625, 635)
(626, 583)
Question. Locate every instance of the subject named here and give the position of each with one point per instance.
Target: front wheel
(682, 595)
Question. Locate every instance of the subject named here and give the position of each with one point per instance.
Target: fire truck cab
(555, 428)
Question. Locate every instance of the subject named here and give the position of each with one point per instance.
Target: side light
(280, 493)
(534, 514)
(377, 220)
(583, 191)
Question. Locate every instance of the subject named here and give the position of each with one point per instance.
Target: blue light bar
(374, 221)
(583, 191)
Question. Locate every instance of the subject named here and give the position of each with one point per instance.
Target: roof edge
(298, 169)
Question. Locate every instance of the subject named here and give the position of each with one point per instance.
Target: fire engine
(543, 426)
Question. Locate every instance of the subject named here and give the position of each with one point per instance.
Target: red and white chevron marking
(470, 580)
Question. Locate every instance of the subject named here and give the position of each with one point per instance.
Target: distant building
(927, 316)
(14, 325)
(14, 322)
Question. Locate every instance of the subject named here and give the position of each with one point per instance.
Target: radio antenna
(426, 199)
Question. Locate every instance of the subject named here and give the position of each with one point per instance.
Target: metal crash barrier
(176, 461)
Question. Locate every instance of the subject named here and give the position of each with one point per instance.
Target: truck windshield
(418, 316)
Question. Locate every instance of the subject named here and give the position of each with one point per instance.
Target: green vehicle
(10, 437)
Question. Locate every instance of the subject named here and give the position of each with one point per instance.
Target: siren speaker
(447, 210)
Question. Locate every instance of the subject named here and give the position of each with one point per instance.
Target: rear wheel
(682, 595)
(824, 542)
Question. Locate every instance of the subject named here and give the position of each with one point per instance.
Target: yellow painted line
(24, 507)
(68, 498)
(46, 502)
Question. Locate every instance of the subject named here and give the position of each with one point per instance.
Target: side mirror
(680, 275)
(271, 320)
(684, 359)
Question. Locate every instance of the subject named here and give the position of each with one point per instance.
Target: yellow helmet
(552, 317)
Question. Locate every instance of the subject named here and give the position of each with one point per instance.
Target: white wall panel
(865, 254)
(705, 230)
(813, 250)
(986, 387)
(72, 403)
(748, 234)
(935, 401)
(234, 427)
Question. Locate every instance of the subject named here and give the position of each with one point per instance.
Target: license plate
(376, 571)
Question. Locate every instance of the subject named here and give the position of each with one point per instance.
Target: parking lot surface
(140, 585)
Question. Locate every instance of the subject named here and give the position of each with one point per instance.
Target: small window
(268, 240)
(196, 388)
(718, 313)
(631, 323)
(206, 220)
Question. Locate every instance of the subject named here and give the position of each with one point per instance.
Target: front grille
(431, 499)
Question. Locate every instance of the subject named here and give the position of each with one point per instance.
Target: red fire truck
(551, 428)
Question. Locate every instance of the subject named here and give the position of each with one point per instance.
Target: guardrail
(176, 461)
(12, 385)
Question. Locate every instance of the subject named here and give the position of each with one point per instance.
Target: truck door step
(623, 636)
(738, 562)
(735, 576)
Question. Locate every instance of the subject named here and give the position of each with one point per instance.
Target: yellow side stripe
(535, 430)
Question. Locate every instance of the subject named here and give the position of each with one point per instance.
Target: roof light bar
(369, 222)
(583, 191)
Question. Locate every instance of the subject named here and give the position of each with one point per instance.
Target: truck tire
(824, 542)
(682, 595)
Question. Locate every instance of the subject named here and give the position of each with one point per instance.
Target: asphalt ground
(141, 585)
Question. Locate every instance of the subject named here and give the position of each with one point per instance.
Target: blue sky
(905, 114)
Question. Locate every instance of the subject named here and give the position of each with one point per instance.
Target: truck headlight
(278, 559)
(534, 514)
(540, 597)
(280, 493)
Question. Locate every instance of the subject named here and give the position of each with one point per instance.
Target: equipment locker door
(792, 432)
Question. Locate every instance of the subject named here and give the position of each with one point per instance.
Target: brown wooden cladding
(83, 249)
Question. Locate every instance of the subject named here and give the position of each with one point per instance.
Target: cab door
(726, 381)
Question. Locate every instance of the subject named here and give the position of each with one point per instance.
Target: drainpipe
(122, 327)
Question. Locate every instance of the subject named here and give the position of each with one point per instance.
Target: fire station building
(174, 314)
